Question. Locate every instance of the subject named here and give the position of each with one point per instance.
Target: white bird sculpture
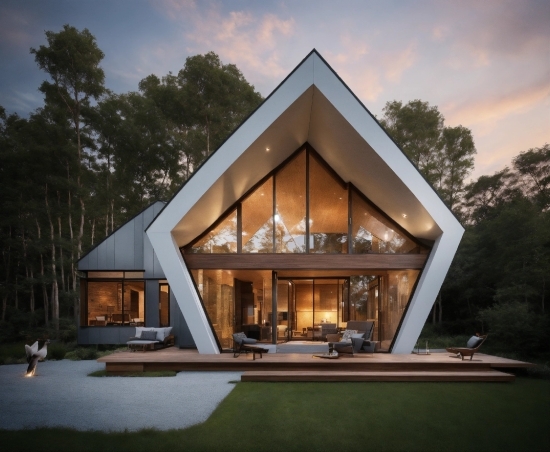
(34, 355)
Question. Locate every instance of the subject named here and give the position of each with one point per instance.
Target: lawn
(340, 416)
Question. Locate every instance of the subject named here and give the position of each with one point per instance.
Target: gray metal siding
(152, 303)
(128, 248)
(124, 247)
(110, 253)
(138, 242)
(111, 335)
(101, 252)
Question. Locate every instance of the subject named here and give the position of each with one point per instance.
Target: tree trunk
(6, 257)
(543, 289)
(55, 290)
(61, 263)
(93, 231)
(43, 281)
(31, 300)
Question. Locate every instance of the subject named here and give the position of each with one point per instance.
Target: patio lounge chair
(246, 345)
(473, 345)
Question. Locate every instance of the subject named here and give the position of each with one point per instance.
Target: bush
(56, 351)
(13, 353)
(512, 325)
(82, 353)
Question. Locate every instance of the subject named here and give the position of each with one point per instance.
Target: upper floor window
(304, 207)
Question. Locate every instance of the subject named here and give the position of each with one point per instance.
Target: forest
(89, 159)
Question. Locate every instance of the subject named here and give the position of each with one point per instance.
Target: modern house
(308, 214)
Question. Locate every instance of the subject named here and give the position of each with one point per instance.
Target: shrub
(82, 353)
(57, 351)
(512, 325)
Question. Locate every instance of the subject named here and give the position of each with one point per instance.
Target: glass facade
(371, 232)
(328, 211)
(290, 209)
(257, 220)
(235, 301)
(303, 207)
(220, 239)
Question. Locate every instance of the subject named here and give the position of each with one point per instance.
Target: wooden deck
(305, 367)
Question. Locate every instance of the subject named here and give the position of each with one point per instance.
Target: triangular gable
(127, 248)
(312, 105)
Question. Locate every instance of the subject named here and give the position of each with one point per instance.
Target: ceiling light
(404, 215)
(266, 149)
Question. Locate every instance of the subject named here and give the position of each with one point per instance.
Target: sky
(484, 64)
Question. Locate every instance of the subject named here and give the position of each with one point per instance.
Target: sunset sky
(484, 64)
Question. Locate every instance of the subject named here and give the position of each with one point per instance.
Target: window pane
(397, 289)
(222, 239)
(290, 218)
(134, 303)
(328, 211)
(372, 233)
(325, 300)
(257, 220)
(216, 290)
(115, 303)
(164, 305)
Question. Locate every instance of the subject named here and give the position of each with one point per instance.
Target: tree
(533, 167)
(205, 102)
(444, 155)
(456, 164)
(72, 60)
(416, 128)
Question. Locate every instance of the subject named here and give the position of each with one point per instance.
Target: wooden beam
(306, 261)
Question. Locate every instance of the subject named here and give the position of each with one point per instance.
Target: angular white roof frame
(311, 105)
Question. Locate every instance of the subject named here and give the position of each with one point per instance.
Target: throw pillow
(346, 337)
(149, 335)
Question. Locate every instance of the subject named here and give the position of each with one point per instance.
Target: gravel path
(62, 395)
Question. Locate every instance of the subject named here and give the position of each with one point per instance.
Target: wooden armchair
(473, 345)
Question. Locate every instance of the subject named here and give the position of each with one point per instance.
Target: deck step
(488, 375)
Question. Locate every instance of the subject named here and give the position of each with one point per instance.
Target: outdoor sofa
(148, 338)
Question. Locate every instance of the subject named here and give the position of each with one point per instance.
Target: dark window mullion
(274, 213)
(239, 228)
(307, 201)
(350, 219)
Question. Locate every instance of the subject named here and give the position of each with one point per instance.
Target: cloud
(252, 41)
(489, 30)
(13, 31)
(397, 63)
(492, 109)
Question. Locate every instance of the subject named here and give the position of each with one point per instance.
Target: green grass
(340, 416)
(160, 373)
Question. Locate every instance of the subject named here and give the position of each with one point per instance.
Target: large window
(114, 301)
(304, 207)
(328, 211)
(235, 301)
